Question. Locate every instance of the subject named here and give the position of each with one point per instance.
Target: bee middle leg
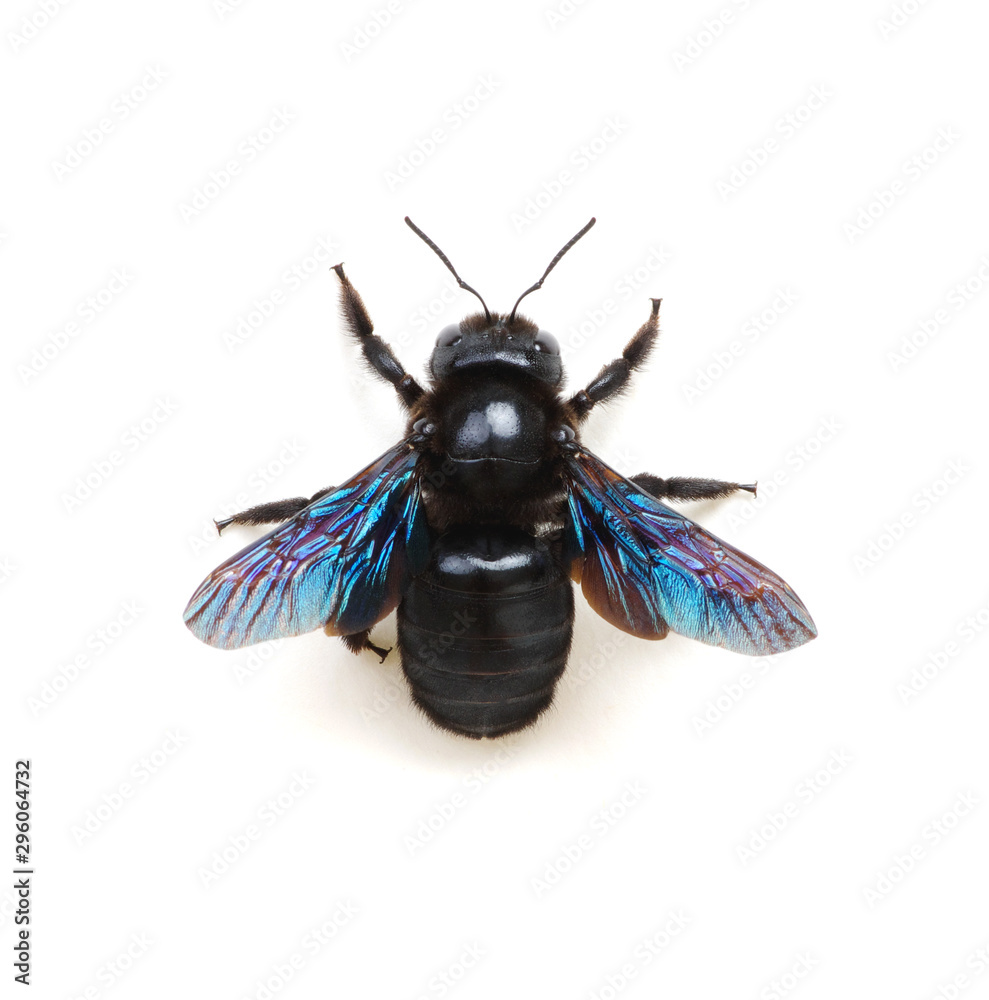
(271, 513)
(681, 488)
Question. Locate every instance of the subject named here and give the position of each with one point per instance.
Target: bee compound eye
(546, 343)
(449, 336)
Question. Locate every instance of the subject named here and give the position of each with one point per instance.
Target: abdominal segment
(484, 632)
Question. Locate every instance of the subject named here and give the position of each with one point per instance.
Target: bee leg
(614, 377)
(680, 488)
(270, 513)
(377, 353)
(357, 642)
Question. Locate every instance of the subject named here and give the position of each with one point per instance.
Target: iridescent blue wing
(647, 569)
(342, 563)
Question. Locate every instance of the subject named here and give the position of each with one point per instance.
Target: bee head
(483, 342)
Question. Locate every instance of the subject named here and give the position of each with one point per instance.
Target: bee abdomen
(485, 632)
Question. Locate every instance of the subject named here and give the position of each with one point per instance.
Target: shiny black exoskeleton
(485, 632)
(484, 629)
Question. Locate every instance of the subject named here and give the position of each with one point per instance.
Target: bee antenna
(446, 260)
(552, 264)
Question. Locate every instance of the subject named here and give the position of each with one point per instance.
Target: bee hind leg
(357, 642)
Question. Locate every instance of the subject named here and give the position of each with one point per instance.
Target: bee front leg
(614, 377)
(271, 513)
(377, 353)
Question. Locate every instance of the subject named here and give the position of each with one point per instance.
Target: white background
(556, 854)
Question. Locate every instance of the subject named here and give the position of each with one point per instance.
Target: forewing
(341, 563)
(647, 569)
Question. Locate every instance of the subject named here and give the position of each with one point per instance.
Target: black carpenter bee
(476, 522)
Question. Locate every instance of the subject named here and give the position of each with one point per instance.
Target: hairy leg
(615, 376)
(379, 356)
(359, 641)
(680, 488)
(271, 513)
